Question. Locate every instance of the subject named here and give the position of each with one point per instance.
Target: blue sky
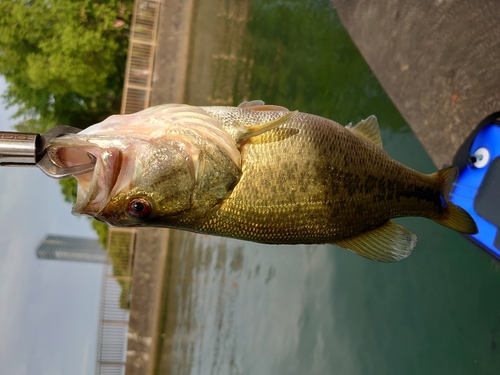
(49, 309)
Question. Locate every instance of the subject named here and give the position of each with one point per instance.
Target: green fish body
(279, 177)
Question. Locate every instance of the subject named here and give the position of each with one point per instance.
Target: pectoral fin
(255, 130)
(389, 243)
(251, 103)
(368, 129)
(259, 105)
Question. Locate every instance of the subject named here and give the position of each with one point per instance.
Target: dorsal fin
(368, 129)
(259, 105)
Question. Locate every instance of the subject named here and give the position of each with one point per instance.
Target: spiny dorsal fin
(255, 130)
(368, 129)
(389, 243)
(259, 105)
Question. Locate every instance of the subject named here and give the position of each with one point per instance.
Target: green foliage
(64, 60)
(102, 232)
(119, 252)
(68, 189)
(36, 125)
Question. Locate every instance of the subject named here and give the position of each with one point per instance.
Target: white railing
(115, 299)
(140, 58)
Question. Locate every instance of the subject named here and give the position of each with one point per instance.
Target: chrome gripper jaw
(30, 149)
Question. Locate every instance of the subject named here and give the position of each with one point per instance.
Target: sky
(49, 309)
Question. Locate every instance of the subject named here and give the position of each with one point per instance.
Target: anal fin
(388, 243)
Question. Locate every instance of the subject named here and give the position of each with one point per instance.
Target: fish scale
(300, 188)
(258, 173)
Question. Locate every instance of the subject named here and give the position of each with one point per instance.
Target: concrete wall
(438, 60)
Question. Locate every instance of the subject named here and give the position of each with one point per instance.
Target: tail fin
(453, 217)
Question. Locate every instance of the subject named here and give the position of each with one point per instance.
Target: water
(235, 307)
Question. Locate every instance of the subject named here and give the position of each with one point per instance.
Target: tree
(64, 60)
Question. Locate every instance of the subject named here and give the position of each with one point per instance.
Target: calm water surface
(236, 307)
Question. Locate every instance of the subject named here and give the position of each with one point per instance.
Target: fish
(256, 172)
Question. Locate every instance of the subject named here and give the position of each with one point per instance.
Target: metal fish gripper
(30, 149)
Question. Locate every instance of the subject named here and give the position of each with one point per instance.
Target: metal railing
(115, 299)
(113, 329)
(140, 58)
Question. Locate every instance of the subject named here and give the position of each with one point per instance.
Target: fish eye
(139, 208)
(480, 157)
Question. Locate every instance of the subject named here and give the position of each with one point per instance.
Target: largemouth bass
(256, 172)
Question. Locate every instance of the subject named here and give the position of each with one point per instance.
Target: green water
(242, 308)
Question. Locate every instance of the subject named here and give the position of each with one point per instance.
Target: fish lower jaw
(91, 197)
(94, 188)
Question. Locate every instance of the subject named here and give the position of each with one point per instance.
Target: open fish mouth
(95, 187)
